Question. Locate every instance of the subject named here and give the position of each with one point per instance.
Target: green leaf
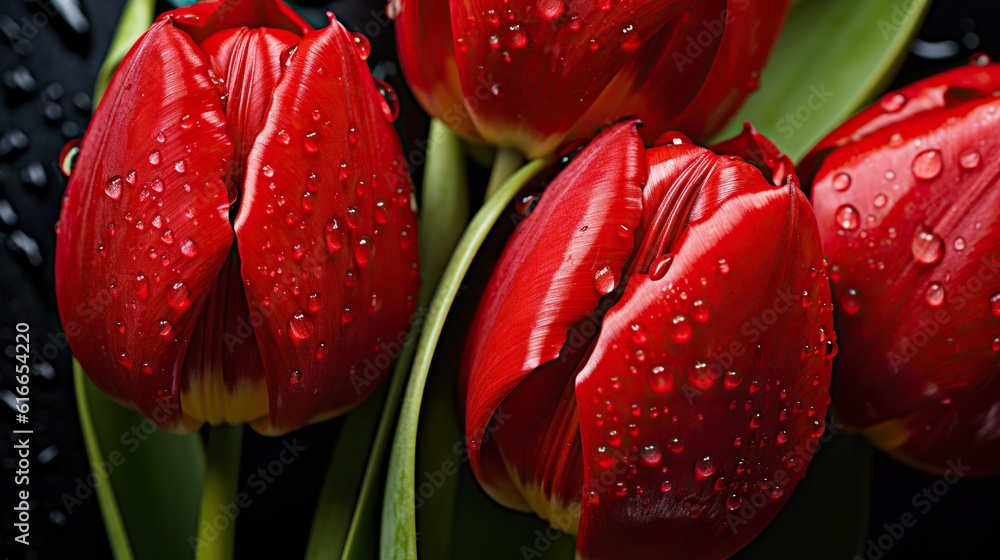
(832, 57)
(134, 21)
(827, 516)
(398, 537)
(150, 496)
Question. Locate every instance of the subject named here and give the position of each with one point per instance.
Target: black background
(45, 94)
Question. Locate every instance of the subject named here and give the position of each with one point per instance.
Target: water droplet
(294, 377)
(651, 455)
(880, 200)
(180, 166)
(969, 159)
(364, 250)
(311, 143)
(980, 59)
(389, 101)
(551, 9)
(352, 135)
(675, 445)
(141, 286)
(321, 351)
(927, 165)
(995, 304)
(841, 181)
(160, 137)
(806, 299)
(283, 137)
(267, 170)
(700, 375)
(722, 266)
(893, 102)
(732, 379)
(935, 295)
(927, 247)
(704, 467)
(154, 157)
(189, 248)
(362, 44)
(300, 327)
(113, 187)
(847, 217)
(661, 380)
(733, 502)
(333, 235)
(166, 328)
(604, 280)
(353, 217)
(630, 41)
(179, 296)
(959, 244)
(699, 311)
(680, 329)
(850, 301)
(187, 122)
(518, 38)
(996, 344)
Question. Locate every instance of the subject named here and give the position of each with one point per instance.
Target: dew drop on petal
(926, 246)
(847, 217)
(841, 181)
(113, 187)
(969, 159)
(893, 102)
(179, 296)
(935, 295)
(604, 280)
(927, 165)
(189, 248)
(704, 467)
(300, 327)
(995, 304)
(661, 380)
(333, 234)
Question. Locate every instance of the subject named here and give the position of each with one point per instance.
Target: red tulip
(535, 74)
(651, 358)
(236, 243)
(906, 195)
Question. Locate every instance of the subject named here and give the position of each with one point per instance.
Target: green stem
(345, 520)
(506, 162)
(398, 537)
(219, 493)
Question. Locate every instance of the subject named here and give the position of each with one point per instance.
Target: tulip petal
(204, 19)
(909, 217)
(422, 27)
(519, 361)
(146, 221)
(696, 72)
(929, 95)
(324, 225)
(672, 441)
(550, 44)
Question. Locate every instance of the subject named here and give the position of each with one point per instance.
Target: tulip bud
(237, 238)
(536, 74)
(906, 197)
(653, 350)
